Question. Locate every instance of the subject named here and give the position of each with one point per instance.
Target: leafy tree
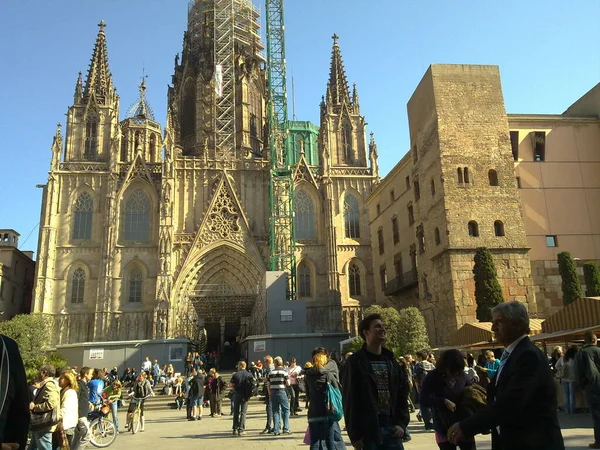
(591, 275)
(571, 288)
(32, 333)
(488, 292)
(405, 329)
(353, 346)
(413, 332)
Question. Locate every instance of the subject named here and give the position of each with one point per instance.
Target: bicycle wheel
(137, 421)
(102, 433)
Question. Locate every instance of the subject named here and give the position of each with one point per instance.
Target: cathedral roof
(338, 83)
(99, 78)
(141, 109)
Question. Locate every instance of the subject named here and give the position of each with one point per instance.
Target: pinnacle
(99, 76)
(338, 83)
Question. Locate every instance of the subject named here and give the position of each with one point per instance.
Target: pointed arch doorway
(221, 286)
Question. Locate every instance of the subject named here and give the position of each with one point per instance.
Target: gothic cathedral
(150, 234)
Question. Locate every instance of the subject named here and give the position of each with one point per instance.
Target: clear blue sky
(548, 52)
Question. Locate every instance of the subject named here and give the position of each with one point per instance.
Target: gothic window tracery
(305, 215)
(135, 286)
(137, 216)
(304, 288)
(124, 148)
(354, 280)
(352, 216)
(91, 139)
(78, 286)
(347, 150)
(152, 148)
(82, 216)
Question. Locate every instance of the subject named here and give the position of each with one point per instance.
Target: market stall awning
(582, 313)
(476, 332)
(564, 335)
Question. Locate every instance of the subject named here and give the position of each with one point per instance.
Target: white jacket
(69, 409)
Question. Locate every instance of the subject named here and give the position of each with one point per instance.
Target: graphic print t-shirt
(382, 379)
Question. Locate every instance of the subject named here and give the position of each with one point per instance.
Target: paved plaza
(166, 428)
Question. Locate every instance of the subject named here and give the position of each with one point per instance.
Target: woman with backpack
(565, 371)
(322, 428)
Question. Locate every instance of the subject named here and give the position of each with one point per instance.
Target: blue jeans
(240, 408)
(569, 390)
(389, 442)
(113, 408)
(281, 407)
(269, 425)
(41, 440)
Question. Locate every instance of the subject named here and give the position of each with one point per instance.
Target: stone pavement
(170, 429)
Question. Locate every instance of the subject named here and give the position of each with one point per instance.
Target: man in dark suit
(14, 398)
(522, 403)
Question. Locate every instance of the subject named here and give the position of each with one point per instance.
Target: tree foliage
(591, 275)
(32, 333)
(571, 287)
(405, 329)
(413, 332)
(488, 292)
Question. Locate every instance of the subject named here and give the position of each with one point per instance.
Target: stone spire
(57, 144)
(373, 157)
(99, 78)
(355, 101)
(78, 90)
(338, 84)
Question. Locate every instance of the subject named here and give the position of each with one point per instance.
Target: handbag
(59, 438)
(307, 439)
(43, 420)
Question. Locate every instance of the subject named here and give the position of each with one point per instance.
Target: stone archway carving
(221, 262)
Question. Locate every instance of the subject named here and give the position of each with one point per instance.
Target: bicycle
(102, 431)
(135, 421)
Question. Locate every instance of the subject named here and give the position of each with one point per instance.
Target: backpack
(335, 409)
(247, 387)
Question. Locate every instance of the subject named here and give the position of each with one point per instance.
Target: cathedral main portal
(219, 286)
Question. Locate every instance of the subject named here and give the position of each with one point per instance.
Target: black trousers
(294, 398)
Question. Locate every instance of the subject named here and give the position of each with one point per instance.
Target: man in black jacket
(14, 415)
(522, 404)
(588, 374)
(375, 392)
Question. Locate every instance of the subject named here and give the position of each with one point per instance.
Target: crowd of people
(513, 397)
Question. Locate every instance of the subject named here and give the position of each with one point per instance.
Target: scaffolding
(281, 186)
(224, 42)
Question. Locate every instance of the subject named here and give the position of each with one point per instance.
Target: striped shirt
(278, 378)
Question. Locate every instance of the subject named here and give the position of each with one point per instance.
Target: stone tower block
(465, 193)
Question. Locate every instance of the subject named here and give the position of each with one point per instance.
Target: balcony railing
(401, 282)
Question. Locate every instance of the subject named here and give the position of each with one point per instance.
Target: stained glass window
(82, 217)
(354, 280)
(303, 280)
(78, 286)
(352, 216)
(137, 217)
(135, 286)
(305, 216)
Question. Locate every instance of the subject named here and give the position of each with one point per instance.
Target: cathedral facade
(152, 233)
